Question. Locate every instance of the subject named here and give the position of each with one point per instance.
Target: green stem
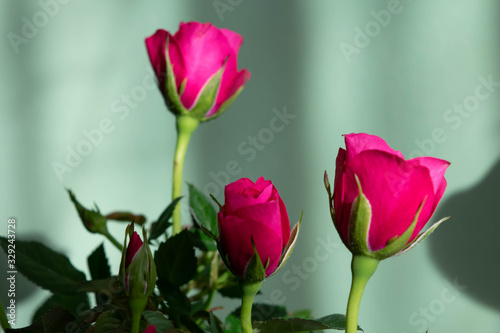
(249, 290)
(362, 269)
(185, 127)
(4, 322)
(214, 276)
(113, 240)
(136, 306)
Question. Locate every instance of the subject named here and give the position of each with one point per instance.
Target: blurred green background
(424, 75)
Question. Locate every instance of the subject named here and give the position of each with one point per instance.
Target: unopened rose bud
(137, 272)
(137, 268)
(92, 220)
(253, 224)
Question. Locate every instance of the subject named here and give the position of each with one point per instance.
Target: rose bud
(137, 267)
(254, 230)
(197, 68)
(93, 221)
(138, 272)
(381, 202)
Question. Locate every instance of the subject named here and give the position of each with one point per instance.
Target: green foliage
(202, 241)
(202, 210)
(175, 259)
(232, 324)
(98, 264)
(159, 227)
(72, 303)
(190, 271)
(56, 320)
(285, 325)
(214, 325)
(159, 320)
(111, 321)
(45, 267)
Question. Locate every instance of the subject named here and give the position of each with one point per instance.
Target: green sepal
(172, 97)
(225, 105)
(289, 246)
(255, 271)
(152, 265)
(421, 237)
(330, 198)
(207, 97)
(128, 232)
(359, 223)
(397, 243)
(332, 207)
(216, 201)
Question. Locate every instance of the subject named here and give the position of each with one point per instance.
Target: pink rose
(254, 211)
(399, 196)
(199, 74)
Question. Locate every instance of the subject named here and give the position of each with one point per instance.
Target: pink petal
(236, 235)
(437, 168)
(228, 88)
(134, 246)
(342, 222)
(233, 38)
(261, 190)
(156, 46)
(357, 142)
(395, 190)
(285, 222)
(205, 49)
(268, 213)
(239, 185)
(177, 61)
(244, 193)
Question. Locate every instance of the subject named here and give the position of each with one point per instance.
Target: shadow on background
(468, 250)
(24, 288)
